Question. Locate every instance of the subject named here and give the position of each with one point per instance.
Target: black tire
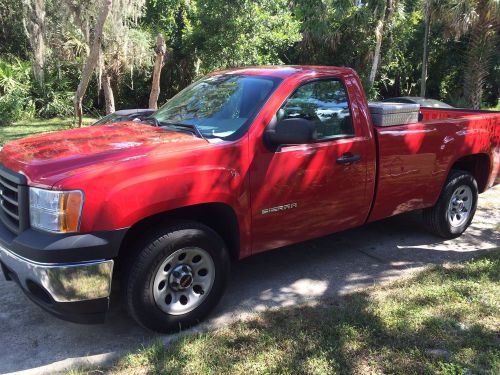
(141, 271)
(436, 218)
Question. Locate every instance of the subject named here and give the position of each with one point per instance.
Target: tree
(477, 21)
(386, 18)
(109, 97)
(91, 61)
(120, 45)
(125, 47)
(13, 39)
(381, 39)
(81, 13)
(425, 54)
(104, 80)
(230, 33)
(482, 41)
(34, 26)
(432, 9)
(160, 53)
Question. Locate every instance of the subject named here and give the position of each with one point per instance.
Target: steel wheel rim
(173, 292)
(460, 206)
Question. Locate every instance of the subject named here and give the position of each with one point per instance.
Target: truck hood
(47, 158)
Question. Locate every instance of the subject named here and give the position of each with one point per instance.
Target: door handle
(348, 158)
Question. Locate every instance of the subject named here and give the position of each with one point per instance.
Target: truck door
(304, 191)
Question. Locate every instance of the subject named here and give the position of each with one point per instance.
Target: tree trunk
(379, 34)
(109, 98)
(160, 51)
(379, 29)
(476, 66)
(425, 55)
(91, 61)
(34, 26)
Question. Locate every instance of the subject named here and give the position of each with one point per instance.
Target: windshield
(220, 106)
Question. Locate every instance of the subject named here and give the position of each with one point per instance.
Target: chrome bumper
(71, 282)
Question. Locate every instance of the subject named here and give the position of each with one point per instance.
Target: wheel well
(477, 165)
(217, 216)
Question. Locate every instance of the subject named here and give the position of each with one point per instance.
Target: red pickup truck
(240, 162)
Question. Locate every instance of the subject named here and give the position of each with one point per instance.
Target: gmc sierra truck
(240, 162)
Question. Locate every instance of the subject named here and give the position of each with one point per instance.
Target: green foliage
(334, 33)
(15, 84)
(399, 71)
(207, 35)
(13, 40)
(238, 33)
(53, 100)
(22, 98)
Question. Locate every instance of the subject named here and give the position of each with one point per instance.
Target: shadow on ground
(401, 329)
(313, 270)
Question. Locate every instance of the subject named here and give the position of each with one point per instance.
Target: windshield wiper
(150, 120)
(189, 127)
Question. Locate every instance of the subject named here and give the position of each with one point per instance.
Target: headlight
(56, 211)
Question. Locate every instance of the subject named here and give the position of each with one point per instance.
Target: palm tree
(432, 9)
(479, 21)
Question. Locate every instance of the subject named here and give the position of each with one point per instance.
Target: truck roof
(285, 71)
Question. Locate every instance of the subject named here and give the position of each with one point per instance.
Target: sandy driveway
(34, 342)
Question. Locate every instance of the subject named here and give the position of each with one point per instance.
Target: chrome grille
(13, 200)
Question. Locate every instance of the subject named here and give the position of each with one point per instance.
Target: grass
(445, 320)
(26, 128)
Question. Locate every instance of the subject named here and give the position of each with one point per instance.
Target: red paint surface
(414, 160)
(129, 171)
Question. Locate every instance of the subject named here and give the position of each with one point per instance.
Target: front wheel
(455, 208)
(177, 278)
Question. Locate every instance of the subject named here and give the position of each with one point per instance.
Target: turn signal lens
(70, 209)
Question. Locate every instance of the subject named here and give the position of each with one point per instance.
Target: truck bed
(411, 158)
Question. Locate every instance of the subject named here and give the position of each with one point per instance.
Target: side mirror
(291, 131)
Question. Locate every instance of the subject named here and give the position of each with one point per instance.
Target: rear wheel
(177, 278)
(455, 208)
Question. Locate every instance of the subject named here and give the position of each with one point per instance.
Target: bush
(55, 104)
(54, 98)
(14, 106)
(22, 98)
(16, 102)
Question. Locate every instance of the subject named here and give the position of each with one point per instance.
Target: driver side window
(325, 104)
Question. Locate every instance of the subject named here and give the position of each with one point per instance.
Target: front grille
(13, 200)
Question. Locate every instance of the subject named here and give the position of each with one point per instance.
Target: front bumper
(65, 274)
